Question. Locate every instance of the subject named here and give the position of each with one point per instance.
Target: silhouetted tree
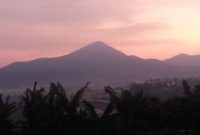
(53, 112)
(187, 88)
(7, 108)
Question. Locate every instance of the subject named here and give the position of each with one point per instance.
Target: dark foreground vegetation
(53, 113)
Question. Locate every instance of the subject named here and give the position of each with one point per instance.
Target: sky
(158, 29)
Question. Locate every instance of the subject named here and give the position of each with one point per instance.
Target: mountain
(97, 62)
(185, 60)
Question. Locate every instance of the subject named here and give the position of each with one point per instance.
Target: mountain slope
(185, 60)
(93, 62)
(96, 62)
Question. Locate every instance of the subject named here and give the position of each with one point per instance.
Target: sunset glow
(146, 28)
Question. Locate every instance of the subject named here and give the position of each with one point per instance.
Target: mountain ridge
(94, 62)
(97, 44)
(184, 60)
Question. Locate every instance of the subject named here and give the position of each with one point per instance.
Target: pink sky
(146, 28)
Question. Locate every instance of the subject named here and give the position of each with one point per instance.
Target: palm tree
(137, 112)
(33, 107)
(7, 108)
(52, 113)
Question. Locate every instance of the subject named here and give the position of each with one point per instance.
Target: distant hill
(185, 60)
(97, 62)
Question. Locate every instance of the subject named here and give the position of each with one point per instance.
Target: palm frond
(90, 110)
(77, 97)
(107, 111)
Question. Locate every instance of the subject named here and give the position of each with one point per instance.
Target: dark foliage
(54, 113)
(6, 109)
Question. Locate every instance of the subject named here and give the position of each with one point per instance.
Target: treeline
(53, 113)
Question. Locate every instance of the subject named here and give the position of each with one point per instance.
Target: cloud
(72, 13)
(28, 25)
(137, 28)
(40, 28)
